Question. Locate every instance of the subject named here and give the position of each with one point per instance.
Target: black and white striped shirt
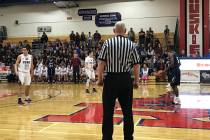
(120, 54)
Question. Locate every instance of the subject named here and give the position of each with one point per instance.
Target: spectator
(151, 33)
(72, 38)
(183, 54)
(97, 38)
(76, 64)
(83, 40)
(166, 35)
(131, 35)
(44, 38)
(208, 55)
(141, 37)
(77, 40)
(89, 41)
(144, 73)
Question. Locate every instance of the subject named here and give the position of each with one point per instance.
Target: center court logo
(156, 110)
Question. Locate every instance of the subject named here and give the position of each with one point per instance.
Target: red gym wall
(194, 26)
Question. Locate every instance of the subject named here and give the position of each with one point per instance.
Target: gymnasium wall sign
(107, 19)
(83, 12)
(87, 18)
(44, 29)
(190, 76)
(194, 26)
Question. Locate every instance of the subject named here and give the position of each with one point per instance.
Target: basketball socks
(20, 101)
(27, 99)
(87, 91)
(94, 90)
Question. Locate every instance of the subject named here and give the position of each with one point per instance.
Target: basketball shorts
(175, 77)
(90, 74)
(24, 78)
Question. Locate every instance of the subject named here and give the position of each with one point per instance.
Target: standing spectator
(166, 35)
(83, 40)
(141, 37)
(97, 38)
(118, 83)
(77, 40)
(44, 38)
(76, 64)
(151, 33)
(72, 39)
(89, 41)
(131, 35)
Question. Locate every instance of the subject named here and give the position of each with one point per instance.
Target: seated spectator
(183, 54)
(57, 73)
(208, 55)
(144, 73)
(44, 73)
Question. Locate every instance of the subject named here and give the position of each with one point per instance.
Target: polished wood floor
(66, 112)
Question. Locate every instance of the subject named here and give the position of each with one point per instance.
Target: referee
(118, 57)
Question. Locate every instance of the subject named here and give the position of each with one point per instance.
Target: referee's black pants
(117, 86)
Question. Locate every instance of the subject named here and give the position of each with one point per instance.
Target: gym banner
(194, 28)
(83, 12)
(107, 19)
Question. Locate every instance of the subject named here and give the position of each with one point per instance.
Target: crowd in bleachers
(59, 53)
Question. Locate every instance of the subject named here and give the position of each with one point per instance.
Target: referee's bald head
(119, 28)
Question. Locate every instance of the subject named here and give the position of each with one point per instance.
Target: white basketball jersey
(36, 71)
(25, 63)
(63, 71)
(44, 71)
(57, 70)
(89, 62)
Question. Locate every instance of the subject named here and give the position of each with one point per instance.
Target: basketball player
(24, 71)
(90, 63)
(174, 71)
(63, 73)
(57, 73)
(36, 74)
(44, 73)
(69, 73)
(51, 70)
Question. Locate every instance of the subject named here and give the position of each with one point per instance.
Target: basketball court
(67, 112)
(60, 34)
